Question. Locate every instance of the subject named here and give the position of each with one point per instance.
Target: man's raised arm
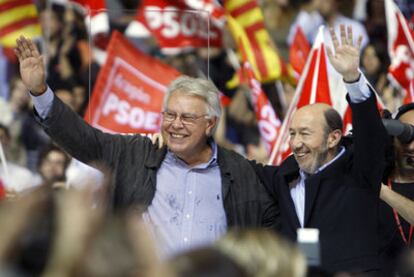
(368, 131)
(64, 126)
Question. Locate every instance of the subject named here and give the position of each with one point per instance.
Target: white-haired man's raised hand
(32, 68)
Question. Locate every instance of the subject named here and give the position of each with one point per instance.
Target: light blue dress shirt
(187, 210)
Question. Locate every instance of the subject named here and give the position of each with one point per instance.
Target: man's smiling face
(308, 139)
(187, 130)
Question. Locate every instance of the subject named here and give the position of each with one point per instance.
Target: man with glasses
(332, 183)
(192, 191)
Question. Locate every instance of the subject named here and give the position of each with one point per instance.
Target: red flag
(267, 120)
(400, 47)
(129, 92)
(95, 6)
(313, 87)
(211, 6)
(175, 25)
(299, 51)
(246, 23)
(224, 100)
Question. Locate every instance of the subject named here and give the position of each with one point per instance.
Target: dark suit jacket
(134, 161)
(341, 200)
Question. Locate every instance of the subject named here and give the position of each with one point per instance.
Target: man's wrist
(39, 91)
(352, 78)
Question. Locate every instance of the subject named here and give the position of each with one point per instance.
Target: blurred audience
(206, 262)
(52, 232)
(406, 263)
(53, 162)
(263, 253)
(14, 177)
(374, 61)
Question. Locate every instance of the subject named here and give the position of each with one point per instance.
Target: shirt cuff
(358, 91)
(43, 103)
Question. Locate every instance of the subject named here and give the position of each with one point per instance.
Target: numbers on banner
(125, 114)
(174, 23)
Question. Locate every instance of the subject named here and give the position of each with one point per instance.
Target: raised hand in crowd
(32, 69)
(345, 56)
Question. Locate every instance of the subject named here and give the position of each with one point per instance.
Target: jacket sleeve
(369, 139)
(81, 140)
(266, 174)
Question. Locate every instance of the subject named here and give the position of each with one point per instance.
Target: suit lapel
(312, 184)
(293, 217)
(290, 176)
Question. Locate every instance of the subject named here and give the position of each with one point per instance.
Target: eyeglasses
(185, 118)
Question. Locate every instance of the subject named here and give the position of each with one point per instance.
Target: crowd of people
(198, 199)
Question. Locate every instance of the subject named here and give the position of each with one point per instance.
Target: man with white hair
(191, 191)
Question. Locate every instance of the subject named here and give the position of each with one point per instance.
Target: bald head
(316, 110)
(320, 113)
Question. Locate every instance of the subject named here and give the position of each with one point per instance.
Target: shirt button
(190, 192)
(185, 239)
(187, 216)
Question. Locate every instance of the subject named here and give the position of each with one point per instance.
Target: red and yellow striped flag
(18, 17)
(246, 23)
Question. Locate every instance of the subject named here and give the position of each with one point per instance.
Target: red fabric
(402, 55)
(175, 26)
(299, 51)
(129, 91)
(224, 100)
(267, 120)
(94, 6)
(306, 93)
(323, 94)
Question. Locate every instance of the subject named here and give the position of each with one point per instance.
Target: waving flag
(246, 22)
(97, 20)
(212, 7)
(298, 52)
(400, 48)
(18, 17)
(267, 121)
(129, 92)
(176, 25)
(313, 87)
